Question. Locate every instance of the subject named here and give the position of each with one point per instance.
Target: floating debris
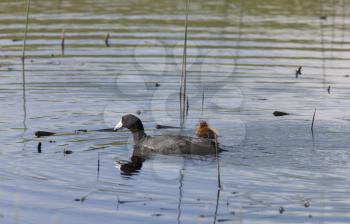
(298, 72)
(138, 112)
(52, 141)
(39, 147)
(159, 126)
(323, 17)
(106, 130)
(157, 214)
(346, 76)
(67, 151)
(329, 89)
(279, 113)
(79, 131)
(281, 210)
(39, 134)
(157, 84)
(306, 203)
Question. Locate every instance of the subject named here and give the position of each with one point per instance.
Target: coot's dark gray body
(165, 144)
(169, 144)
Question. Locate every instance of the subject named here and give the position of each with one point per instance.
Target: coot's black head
(130, 122)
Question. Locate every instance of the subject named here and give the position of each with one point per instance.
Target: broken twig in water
(298, 72)
(313, 120)
(159, 126)
(279, 113)
(39, 134)
(39, 147)
(107, 40)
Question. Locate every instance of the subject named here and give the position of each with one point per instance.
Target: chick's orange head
(203, 124)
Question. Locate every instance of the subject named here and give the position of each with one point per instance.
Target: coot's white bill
(118, 126)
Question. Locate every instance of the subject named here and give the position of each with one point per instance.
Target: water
(242, 53)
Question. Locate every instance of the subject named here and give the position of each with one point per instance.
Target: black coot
(165, 144)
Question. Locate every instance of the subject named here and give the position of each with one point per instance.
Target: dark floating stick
(159, 126)
(47, 133)
(67, 151)
(279, 113)
(329, 89)
(106, 130)
(323, 17)
(39, 147)
(107, 40)
(313, 120)
(43, 133)
(298, 72)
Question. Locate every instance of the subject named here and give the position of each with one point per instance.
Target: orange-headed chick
(204, 131)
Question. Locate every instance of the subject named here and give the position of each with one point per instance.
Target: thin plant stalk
(202, 111)
(322, 40)
(238, 44)
(25, 32)
(218, 162)
(23, 66)
(179, 211)
(98, 163)
(343, 23)
(217, 205)
(62, 41)
(313, 121)
(183, 87)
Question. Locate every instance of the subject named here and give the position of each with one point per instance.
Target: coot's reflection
(134, 165)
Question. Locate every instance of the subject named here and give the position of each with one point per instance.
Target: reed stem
(218, 162)
(23, 67)
(62, 41)
(25, 33)
(183, 82)
(313, 120)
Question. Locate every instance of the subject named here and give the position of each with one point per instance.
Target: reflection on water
(244, 55)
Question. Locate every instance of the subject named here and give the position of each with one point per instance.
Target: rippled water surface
(242, 54)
